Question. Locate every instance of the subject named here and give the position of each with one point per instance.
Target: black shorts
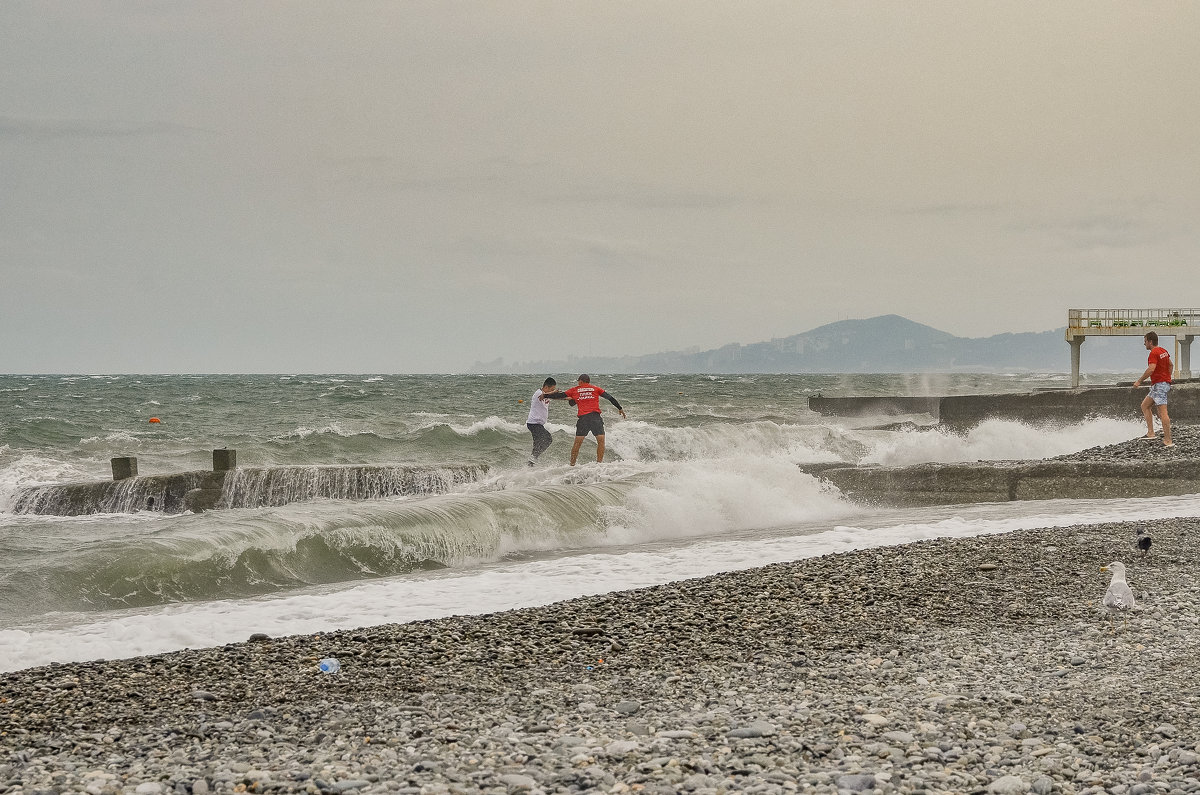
(593, 423)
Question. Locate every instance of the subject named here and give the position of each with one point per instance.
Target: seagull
(1144, 541)
(1118, 598)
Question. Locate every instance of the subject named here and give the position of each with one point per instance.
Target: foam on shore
(527, 582)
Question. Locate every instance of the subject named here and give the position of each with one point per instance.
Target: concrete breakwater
(1136, 468)
(951, 484)
(242, 488)
(1050, 405)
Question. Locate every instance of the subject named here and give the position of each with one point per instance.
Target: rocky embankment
(1185, 437)
(948, 666)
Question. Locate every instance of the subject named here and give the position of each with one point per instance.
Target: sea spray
(514, 583)
(693, 499)
(230, 553)
(994, 440)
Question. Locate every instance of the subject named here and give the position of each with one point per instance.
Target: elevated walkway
(1182, 324)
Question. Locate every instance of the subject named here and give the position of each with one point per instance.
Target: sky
(420, 186)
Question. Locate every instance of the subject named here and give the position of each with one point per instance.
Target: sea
(705, 475)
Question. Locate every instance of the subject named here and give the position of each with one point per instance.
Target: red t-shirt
(1160, 360)
(586, 397)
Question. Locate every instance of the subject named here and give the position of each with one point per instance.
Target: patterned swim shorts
(1158, 392)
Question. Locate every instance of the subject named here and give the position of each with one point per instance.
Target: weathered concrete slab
(874, 406)
(924, 484)
(161, 493)
(951, 484)
(1048, 480)
(242, 488)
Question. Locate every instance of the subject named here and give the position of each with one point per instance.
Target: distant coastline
(884, 344)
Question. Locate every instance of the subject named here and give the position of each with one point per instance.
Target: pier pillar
(224, 460)
(1185, 355)
(124, 467)
(1076, 343)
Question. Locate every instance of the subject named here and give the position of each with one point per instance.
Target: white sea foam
(991, 440)
(641, 441)
(996, 440)
(703, 498)
(491, 423)
(124, 437)
(36, 470)
(656, 501)
(332, 429)
(515, 584)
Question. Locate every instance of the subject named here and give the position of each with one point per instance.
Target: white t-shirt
(539, 410)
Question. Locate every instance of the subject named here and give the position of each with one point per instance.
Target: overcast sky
(418, 186)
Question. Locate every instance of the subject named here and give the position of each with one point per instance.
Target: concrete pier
(960, 412)
(1181, 323)
(1066, 405)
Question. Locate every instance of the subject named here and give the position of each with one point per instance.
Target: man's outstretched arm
(613, 401)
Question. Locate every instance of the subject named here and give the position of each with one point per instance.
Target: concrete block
(224, 460)
(124, 467)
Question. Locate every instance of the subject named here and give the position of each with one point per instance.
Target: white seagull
(1119, 597)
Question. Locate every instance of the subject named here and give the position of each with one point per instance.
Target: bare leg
(1147, 402)
(575, 448)
(599, 448)
(1166, 423)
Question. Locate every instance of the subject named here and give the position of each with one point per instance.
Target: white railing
(1131, 318)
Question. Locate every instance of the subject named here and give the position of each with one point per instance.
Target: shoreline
(916, 668)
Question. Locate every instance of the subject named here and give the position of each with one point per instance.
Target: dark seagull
(1144, 541)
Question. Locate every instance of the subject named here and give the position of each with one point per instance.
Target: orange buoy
(520, 400)
(155, 419)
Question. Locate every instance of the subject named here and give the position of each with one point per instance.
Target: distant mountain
(884, 344)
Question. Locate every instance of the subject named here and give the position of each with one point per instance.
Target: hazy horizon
(415, 187)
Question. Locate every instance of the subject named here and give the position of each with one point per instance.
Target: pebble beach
(980, 665)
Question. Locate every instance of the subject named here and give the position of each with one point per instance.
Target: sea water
(703, 476)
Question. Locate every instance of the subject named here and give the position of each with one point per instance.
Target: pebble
(1008, 785)
(759, 728)
(856, 783)
(920, 675)
(518, 782)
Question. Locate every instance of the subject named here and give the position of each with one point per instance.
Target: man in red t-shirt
(1158, 370)
(587, 398)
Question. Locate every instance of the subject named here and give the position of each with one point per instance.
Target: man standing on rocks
(1158, 370)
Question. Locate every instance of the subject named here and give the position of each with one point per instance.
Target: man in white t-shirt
(539, 413)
